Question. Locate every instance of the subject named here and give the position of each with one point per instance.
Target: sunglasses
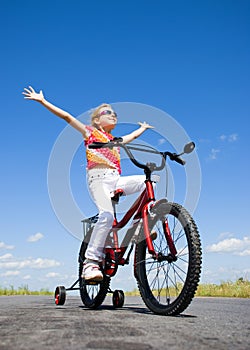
(107, 112)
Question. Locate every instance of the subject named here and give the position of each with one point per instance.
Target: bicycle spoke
(166, 284)
(175, 267)
(183, 250)
(163, 277)
(182, 259)
(155, 279)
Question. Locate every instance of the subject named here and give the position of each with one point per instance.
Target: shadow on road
(135, 309)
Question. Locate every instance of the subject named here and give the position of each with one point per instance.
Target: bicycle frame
(115, 252)
(140, 209)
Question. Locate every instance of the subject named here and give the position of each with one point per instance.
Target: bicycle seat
(116, 195)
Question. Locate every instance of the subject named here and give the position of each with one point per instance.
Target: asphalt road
(35, 322)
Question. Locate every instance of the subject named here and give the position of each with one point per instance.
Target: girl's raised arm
(133, 135)
(31, 94)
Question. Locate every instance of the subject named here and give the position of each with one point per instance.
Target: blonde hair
(96, 112)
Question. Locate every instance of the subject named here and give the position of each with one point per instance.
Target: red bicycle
(167, 258)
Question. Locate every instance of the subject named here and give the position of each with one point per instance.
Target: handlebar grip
(175, 157)
(179, 160)
(117, 139)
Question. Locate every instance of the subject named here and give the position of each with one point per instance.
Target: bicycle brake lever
(174, 157)
(177, 159)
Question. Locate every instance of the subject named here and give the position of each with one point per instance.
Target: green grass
(238, 289)
(23, 290)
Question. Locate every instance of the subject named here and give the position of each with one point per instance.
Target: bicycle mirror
(189, 147)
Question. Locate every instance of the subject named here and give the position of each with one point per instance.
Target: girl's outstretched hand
(145, 125)
(30, 94)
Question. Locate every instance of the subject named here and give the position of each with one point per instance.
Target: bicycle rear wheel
(92, 293)
(167, 287)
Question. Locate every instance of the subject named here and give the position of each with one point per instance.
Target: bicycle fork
(159, 256)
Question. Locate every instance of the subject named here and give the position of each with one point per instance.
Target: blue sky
(189, 59)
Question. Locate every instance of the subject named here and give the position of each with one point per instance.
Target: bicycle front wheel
(167, 286)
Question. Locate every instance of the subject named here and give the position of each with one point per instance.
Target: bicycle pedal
(91, 283)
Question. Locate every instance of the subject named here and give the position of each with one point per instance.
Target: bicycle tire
(167, 288)
(92, 295)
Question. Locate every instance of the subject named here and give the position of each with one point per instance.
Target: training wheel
(118, 298)
(60, 295)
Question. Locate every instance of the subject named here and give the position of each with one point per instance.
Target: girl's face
(107, 119)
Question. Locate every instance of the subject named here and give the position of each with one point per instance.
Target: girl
(103, 173)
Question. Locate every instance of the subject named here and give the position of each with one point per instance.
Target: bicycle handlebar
(149, 167)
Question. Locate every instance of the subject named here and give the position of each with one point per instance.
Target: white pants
(102, 183)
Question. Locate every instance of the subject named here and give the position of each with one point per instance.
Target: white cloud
(38, 263)
(27, 277)
(229, 138)
(233, 138)
(52, 274)
(228, 272)
(235, 246)
(245, 252)
(10, 273)
(35, 238)
(223, 137)
(213, 154)
(224, 235)
(161, 142)
(6, 257)
(5, 246)
(41, 263)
